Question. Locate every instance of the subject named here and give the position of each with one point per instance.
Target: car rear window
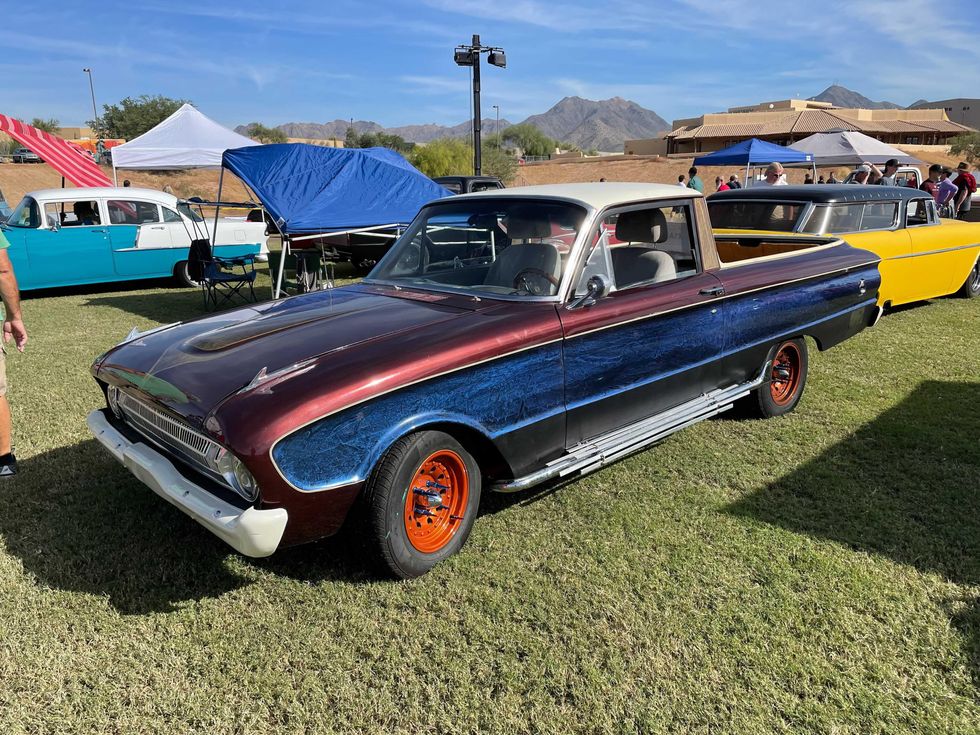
(745, 215)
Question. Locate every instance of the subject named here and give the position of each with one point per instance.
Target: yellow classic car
(922, 256)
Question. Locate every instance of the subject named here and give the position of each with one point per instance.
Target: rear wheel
(182, 275)
(971, 287)
(784, 379)
(422, 500)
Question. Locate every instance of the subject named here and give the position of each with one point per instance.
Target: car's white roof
(593, 194)
(104, 192)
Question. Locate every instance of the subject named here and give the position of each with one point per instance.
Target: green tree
(132, 117)
(264, 134)
(378, 140)
(529, 139)
(966, 145)
(499, 162)
(443, 157)
(352, 139)
(51, 125)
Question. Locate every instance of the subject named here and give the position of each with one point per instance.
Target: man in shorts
(13, 328)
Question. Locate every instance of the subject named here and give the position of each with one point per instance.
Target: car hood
(192, 367)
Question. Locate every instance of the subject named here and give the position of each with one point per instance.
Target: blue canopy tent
(755, 152)
(311, 190)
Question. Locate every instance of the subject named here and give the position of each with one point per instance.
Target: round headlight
(246, 483)
(112, 394)
(237, 475)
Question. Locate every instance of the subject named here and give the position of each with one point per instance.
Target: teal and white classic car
(67, 237)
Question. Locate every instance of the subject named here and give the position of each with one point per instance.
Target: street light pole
(95, 111)
(470, 56)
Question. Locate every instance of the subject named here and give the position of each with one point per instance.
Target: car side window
(170, 215)
(917, 213)
(72, 214)
(880, 216)
(132, 212)
(653, 245)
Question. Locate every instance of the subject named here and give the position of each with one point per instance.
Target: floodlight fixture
(464, 57)
(497, 57)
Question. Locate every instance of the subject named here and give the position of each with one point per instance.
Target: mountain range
(843, 97)
(600, 124)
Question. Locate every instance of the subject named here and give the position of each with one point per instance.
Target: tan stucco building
(786, 121)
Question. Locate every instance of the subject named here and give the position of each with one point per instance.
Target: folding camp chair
(223, 280)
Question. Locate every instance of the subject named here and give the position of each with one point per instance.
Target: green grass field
(817, 573)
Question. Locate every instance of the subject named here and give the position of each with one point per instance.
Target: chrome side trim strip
(603, 450)
(936, 252)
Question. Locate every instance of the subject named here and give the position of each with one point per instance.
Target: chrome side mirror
(595, 288)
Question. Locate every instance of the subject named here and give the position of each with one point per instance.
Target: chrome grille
(166, 430)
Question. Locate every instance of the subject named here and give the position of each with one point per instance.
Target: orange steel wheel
(785, 374)
(436, 501)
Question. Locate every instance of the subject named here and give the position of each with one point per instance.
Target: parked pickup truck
(469, 184)
(67, 237)
(508, 339)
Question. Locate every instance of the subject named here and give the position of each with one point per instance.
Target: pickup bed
(507, 339)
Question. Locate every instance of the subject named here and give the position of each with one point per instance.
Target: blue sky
(391, 61)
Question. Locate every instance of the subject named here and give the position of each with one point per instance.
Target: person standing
(886, 177)
(861, 174)
(13, 328)
(720, 184)
(694, 181)
(774, 175)
(832, 179)
(681, 182)
(733, 182)
(966, 187)
(931, 184)
(947, 193)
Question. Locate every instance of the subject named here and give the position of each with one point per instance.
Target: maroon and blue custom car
(509, 338)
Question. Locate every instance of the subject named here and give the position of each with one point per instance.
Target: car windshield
(27, 214)
(754, 215)
(505, 246)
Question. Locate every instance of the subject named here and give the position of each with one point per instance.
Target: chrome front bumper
(251, 531)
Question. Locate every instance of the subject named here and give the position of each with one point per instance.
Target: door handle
(712, 291)
(103, 231)
(157, 227)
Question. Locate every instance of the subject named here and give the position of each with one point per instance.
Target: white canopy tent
(849, 148)
(186, 139)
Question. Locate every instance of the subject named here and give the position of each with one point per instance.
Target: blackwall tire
(971, 287)
(183, 277)
(421, 502)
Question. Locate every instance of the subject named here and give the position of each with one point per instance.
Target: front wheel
(182, 274)
(784, 379)
(971, 287)
(422, 500)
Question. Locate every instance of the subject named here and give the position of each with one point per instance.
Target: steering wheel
(528, 280)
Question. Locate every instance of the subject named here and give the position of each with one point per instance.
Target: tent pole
(283, 252)
(217, 208)
(115, 177)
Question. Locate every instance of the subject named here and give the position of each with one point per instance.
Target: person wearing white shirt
(775, 176)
